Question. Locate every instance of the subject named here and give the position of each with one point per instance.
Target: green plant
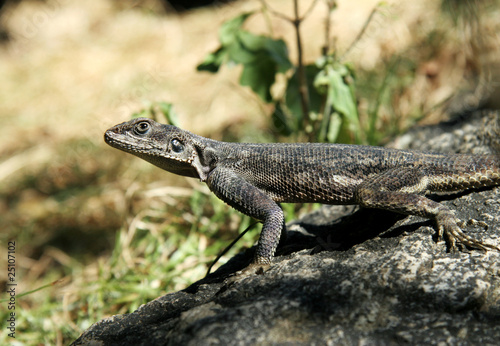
(154, 109)
(320, 98)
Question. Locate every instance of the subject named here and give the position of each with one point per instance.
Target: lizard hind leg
(402, 190)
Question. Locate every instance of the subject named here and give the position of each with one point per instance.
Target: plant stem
(332, 4)
(301, 73)
(361, 33)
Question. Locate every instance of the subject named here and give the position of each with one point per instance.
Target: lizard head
(165, 146)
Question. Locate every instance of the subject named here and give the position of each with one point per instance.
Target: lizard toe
(452, 229)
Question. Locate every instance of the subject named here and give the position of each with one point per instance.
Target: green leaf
(143, 113)
(151, 111)
(334, 127)
(252, 42)
(292, 96)
(167, 109)
(278, 52)
(213, 61)
(340, 95)
(259, 76)
(228, 37)
(334, 81)
(262, 57)
(230, 29)
(239, 54)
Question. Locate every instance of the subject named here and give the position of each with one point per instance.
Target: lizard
(254, 178)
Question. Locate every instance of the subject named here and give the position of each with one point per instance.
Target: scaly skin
(254, 178)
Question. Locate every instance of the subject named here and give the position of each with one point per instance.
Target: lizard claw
(473, 222)
(452, 228)
(250, 270)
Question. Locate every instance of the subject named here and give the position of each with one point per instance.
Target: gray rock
(345, 276)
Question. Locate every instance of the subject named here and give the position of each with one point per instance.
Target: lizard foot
(252, 269)
(452, 228)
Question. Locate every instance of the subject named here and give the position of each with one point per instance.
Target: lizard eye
(141, 128)
(177, 146)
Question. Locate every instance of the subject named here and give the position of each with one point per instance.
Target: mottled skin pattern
(254, 178)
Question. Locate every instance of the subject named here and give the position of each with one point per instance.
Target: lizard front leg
(250, 200)
(401, 190)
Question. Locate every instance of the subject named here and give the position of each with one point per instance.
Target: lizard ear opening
(204, 161)
(177, 145)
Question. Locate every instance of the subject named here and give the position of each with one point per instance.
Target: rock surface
(346, 276)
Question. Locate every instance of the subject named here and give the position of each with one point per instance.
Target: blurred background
(99, 232)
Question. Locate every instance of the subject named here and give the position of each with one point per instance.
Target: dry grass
(89, 218)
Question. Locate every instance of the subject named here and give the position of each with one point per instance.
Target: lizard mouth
(108, 138)
(140, 147)
(119, 141)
